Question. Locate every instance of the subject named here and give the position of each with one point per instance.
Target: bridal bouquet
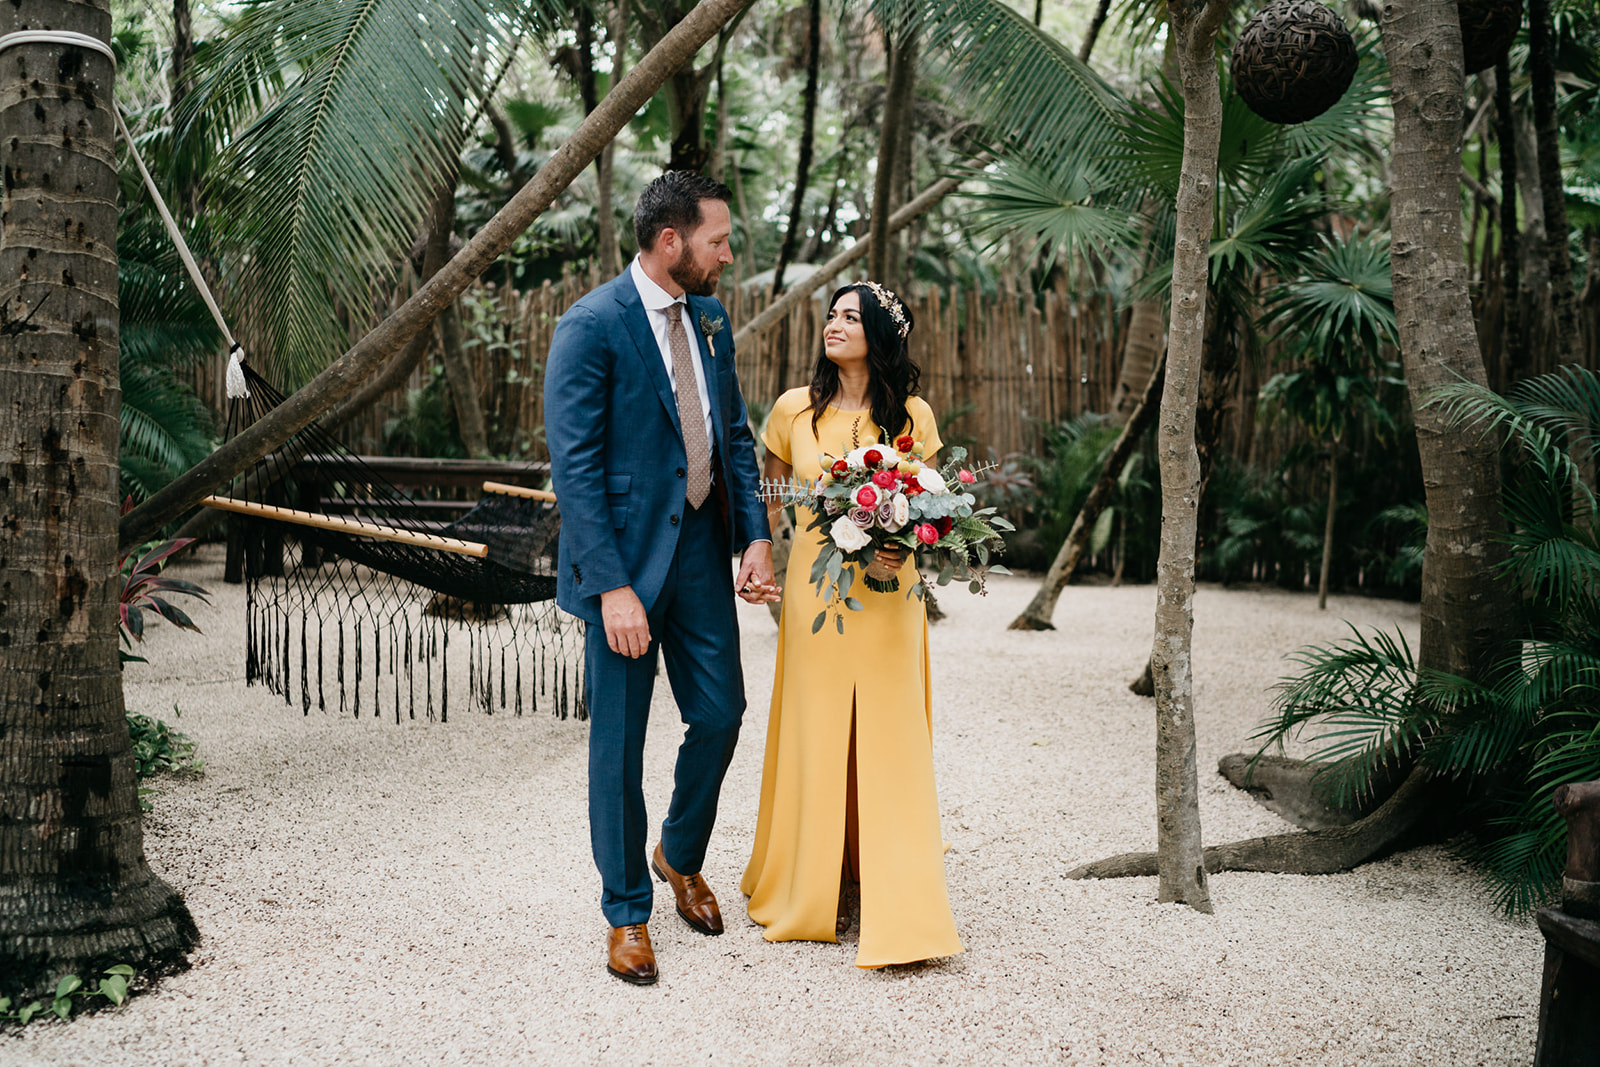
(880, 495)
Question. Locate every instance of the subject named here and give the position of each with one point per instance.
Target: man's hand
(756, 584)
(627, 628)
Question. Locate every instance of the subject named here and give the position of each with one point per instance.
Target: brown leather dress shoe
(696, 903)
(629, 955)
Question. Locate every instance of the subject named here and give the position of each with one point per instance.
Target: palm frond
(1360, 695)
(1055, 207)
(344, 117)
(1028, 88)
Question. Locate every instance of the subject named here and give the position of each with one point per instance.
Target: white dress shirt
(655, 299)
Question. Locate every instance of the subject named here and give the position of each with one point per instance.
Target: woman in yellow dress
(847, 792)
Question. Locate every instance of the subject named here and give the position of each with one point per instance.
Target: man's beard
(694, 282)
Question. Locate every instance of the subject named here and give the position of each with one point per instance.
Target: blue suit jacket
(616, 449)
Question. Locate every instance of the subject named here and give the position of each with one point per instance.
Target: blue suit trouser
(693, 625)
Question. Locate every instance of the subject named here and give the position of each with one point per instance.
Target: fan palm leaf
(1344, 292)
(339, 121)
(1058, 207)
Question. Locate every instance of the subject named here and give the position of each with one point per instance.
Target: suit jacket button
(673, 520)
(681, 472)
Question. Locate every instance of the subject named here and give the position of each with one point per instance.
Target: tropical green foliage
(337, 123)
(1535, 724)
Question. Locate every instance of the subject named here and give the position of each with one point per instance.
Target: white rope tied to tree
(236, 386)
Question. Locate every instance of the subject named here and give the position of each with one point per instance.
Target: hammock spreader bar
(353, 527)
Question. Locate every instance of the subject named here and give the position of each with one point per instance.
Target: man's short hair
(673, 200)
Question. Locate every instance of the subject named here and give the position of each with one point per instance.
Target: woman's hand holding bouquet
(882, 499)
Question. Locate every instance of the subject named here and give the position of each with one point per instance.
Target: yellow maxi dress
(876, 674)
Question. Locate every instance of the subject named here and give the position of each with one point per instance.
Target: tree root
(1326, 851)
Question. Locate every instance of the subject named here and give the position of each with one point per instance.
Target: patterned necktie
(690, 417)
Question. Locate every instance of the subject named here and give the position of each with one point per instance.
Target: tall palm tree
(76, 894)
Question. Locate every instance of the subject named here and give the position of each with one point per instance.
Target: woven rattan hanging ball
(1293, 61)
(1487, 29)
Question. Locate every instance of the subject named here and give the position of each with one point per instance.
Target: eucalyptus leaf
(822, 617)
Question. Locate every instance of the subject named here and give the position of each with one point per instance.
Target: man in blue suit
(654, 466)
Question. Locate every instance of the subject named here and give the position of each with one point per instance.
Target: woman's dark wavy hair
(894, 378)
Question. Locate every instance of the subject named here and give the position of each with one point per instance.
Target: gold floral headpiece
(890, 303)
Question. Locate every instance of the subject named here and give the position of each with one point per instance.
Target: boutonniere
(710, 327)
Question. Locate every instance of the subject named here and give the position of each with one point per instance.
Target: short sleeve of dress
(924, 427)
(780, 421)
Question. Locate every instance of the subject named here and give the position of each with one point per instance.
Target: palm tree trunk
(76, 894)
(900, 83)
(808, 130)
(1093, 33)
(182, 54)
(1181, 870)
(1465, 607)
(1542, 69)
(346, 373)
(1037, 615)
(1327, 527)
(463, 383)
(1505, 132)
(1141, 350)
(457, 368)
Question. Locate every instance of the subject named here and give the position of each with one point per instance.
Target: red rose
(905, 443)
(867, 496)
(927, 534)
(913, 489)
(840, 467)
(872, 458)
(945, 525)
(883, 479)
(966, 476)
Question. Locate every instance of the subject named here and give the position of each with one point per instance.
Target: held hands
(627, 628)
(756, 583)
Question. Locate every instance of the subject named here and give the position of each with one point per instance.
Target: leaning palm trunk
(1139, 354)
(1179, 864)
(1037, 615)
(76, 894)
(1327, 527)
(346, 373)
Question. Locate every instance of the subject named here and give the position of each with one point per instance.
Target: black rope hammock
(369, 605)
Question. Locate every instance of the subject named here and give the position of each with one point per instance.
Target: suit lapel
(635, 319)
(708, 366)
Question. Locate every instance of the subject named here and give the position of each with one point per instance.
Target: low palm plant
(1537, 724)
(1334, 317)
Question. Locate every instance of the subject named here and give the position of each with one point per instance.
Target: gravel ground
(373, 893)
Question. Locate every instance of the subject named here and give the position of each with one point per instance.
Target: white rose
(848, 536)
(930, 480)
(900, 515)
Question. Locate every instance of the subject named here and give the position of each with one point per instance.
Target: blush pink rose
(867, 496)
(883, 479)
(967, 477)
